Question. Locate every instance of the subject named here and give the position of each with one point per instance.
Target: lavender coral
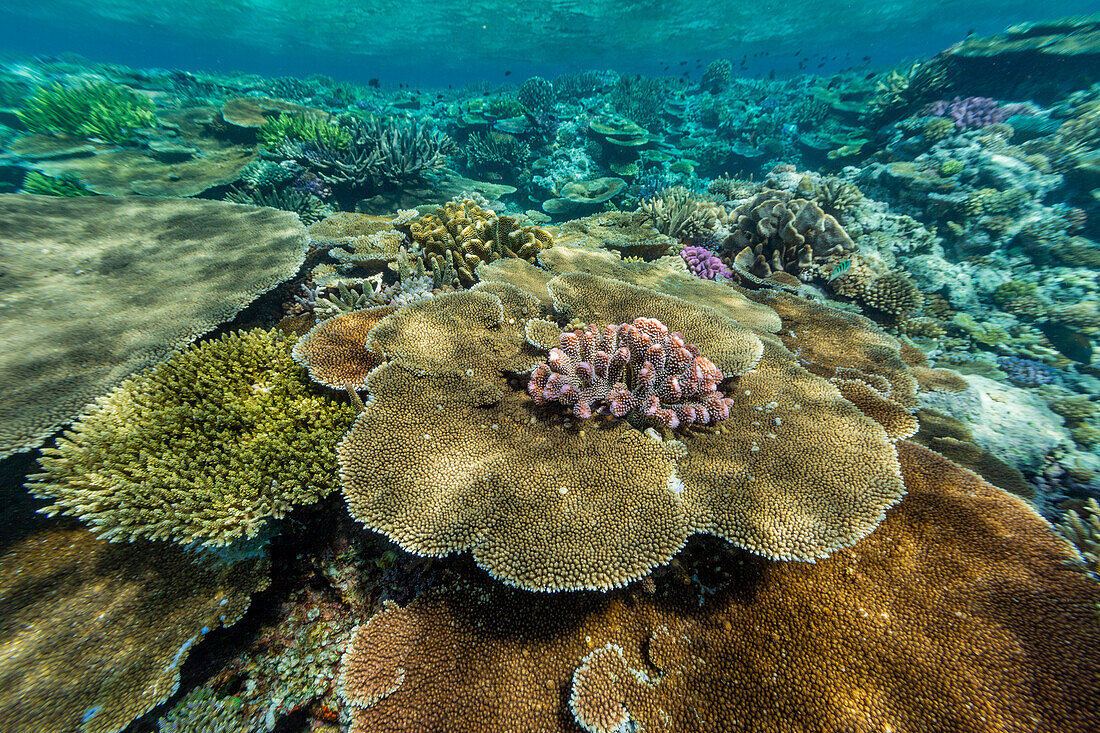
(970, 112)
(703, 263)
(637, 368)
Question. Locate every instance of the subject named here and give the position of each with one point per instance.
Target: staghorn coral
(64, 185)
(636, 370)
(681, 214)
(703, 263)
(496, 153)
(886, 642)
(94, 634)
(204, 448)
(302, 128)
(97, 288)
(775, 233)
(468, 235)
(92, 110)
(333, 350)
(450, 455)
(1084, 533)
(308, 207)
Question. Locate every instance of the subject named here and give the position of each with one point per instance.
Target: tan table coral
(95, 289)
(960, 613)
(452, 454)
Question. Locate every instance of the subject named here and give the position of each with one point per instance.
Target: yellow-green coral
(463, 235)
(204, 448)
(96, 110)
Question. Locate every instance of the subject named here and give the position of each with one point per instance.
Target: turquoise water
(607, 367)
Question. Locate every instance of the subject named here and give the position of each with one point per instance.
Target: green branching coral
(95, 110)
(64, 185)
(203, 449)
(308, 207)
(302, 129)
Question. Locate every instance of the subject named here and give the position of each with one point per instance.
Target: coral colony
(706, 400)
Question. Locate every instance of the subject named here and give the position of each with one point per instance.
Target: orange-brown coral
(93, 634)
(334, 350)
(960, 613)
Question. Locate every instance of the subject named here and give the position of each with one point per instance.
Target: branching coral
(682, 214)
(63, 185)
(94, 110)
(203, 449)
(302, 128)
(1084, 533)
(308, 207)
(636, 370)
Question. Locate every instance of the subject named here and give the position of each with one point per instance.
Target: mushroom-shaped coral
(452, 454)
(637, 369)
(204, 448)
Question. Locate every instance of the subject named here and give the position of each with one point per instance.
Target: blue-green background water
(439, 43)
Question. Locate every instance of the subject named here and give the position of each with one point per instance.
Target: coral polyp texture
(205, 448)
(333, 351)
(775, 232)
(634, 369)
(960, 597)
(452, 454)
(98, 288)
(94, 634)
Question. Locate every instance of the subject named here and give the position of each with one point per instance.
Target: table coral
(94, 634)
(452, 454)
(637, 368)
(205, 448)
(98, 288)
(334, 353)
(961, 608)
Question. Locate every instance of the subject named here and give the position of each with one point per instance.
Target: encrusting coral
(94, 634)
(204, 448)
(961, 594)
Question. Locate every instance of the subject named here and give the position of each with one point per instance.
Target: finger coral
(94, 634)
(872, 638)
(204, 449)
(472, 236)
(670, 384)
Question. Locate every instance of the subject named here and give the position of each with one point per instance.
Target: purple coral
(970, 112)
(1026, 372)
(634, 367)
(704, 264)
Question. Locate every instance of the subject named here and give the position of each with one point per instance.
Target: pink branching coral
(635, 367)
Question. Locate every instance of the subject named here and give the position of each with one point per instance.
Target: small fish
(507, 73)
(840, 269)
